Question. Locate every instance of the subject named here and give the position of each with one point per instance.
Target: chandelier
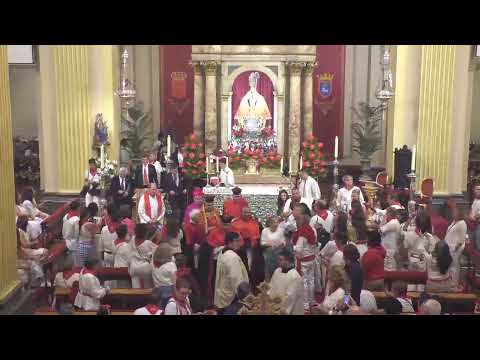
(385, 91)
(126, 90)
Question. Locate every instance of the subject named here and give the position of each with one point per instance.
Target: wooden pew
(49, 311)
(451, 300)
(126, 298)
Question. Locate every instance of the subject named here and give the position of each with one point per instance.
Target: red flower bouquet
(313, 157)
(194, 155)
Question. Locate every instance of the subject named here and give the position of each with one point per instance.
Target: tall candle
(281, 165)
(414, 154)
(208, 160)
(102, 156)
(290, 165)
(169, 144)
(227, 161)
(217, 166)
(301, 162)
(336, 147)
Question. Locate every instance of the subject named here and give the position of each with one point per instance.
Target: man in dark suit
(175, 189)
(121, 189)
(145, 174)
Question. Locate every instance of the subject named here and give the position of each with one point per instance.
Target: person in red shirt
(248, 228)
(373, 263)
(233, 207)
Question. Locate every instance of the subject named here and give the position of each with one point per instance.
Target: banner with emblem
(177, 90)
(328, 78)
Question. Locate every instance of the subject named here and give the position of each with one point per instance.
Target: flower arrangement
(270, 160)
(108, 171)
(314, 157)
(194, 158)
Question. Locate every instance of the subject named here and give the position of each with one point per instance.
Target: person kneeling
(90, 291)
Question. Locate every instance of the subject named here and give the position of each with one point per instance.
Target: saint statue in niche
(253, 113)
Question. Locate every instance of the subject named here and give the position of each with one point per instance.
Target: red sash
(148, 207)
(117, 242)
(305, 259)
(307, 232)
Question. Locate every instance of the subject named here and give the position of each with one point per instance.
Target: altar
(262, 198)
(254, 97)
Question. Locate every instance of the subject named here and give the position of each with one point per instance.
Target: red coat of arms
(178, 88)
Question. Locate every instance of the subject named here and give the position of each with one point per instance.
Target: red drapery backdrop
(176, 82)
(328, 109)
(241, 87)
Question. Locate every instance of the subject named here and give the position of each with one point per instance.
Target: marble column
(442, 143)
(8, 243)
(198, 100)
(308, 99)
(211, 131)
(294, 118)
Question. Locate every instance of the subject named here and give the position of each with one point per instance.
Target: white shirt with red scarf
(176, 307)
(148, 310)
(92, 177)
(151, 208)
(90, 292)
(140, 268)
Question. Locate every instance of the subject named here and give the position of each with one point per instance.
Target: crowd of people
(200, 259)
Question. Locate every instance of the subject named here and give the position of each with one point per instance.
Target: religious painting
(252, 112)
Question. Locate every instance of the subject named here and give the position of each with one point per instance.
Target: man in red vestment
(233, 207)
(248, 227)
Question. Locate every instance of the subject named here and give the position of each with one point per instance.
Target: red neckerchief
(157, 264)
(148, 207)
(93, 172)
(183, 308)
(418, 232)
(152, 309)
(396, 203)
(112, 227)
(72, 213)
(139, 242)
(307, 232)
(117, 242)
(67, 274)
(389, 219)
(323, 213)
(88, 271)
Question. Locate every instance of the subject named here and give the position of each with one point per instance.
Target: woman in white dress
(28, 207)
(338, 287)
(419, 243)
(142, 250)
(455, 239)
(439, 269)
(107, 237)
(121, 254)
(273, 240)
(172, 234)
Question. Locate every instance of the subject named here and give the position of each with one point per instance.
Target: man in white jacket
(288, 284)
(90, 292)
(309, 189)
(390, 239)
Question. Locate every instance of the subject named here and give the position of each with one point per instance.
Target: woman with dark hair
(455, 239)
(29, 207)
(172, 234)
(439, 269)
(281, 200)
(354, 270)
(419, 243)
(359, 224)
(326, 253)
(373, 263)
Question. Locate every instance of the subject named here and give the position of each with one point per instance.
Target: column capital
(309, 68)
(197, 67)
(210, 67)
(295, 67)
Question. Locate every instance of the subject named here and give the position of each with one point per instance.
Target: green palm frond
(366, 131)
(138, 133)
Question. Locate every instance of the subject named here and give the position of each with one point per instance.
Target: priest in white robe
(226, 174)
(231, 271)
(309, 189)
(344, 196)
(151, 209)
(287, 283)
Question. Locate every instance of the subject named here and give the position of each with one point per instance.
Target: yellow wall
(8, 248)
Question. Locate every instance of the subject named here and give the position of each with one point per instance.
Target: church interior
(219, 122)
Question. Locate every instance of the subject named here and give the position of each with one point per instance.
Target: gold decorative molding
(296, 67)
(8, 242)
(309, 68)
(263, 303)
(197, 67)
(210, 67)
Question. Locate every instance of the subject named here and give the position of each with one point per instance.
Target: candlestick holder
(412, 177)
(333, 201)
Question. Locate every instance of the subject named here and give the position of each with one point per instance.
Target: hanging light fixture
(385, 91)
(126, 90)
